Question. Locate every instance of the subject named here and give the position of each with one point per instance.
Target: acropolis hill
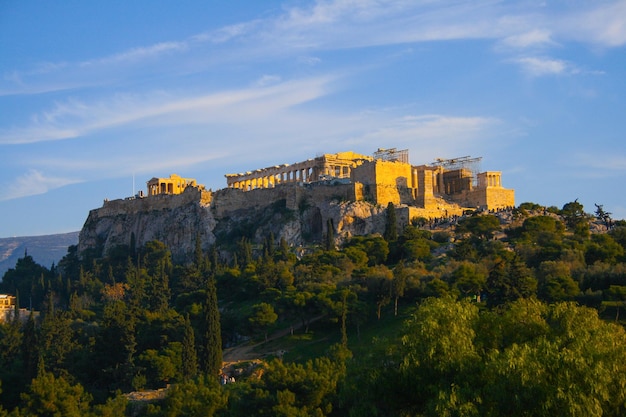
(295, 201)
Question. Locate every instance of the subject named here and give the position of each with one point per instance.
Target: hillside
(476, 296)
(45, 250)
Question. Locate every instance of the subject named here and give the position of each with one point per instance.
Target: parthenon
(387, 176)
(327, 166)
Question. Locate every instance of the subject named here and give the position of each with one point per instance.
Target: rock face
(293, 213)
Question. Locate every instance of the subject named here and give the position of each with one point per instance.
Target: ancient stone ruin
(348, 189)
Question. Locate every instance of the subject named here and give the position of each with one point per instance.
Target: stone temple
(444, 187)
(346, 189)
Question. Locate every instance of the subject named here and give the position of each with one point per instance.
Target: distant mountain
(45, 250)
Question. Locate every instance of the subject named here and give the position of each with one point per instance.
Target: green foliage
(603, 248)
(134, 319)
(189, 356)
(289, 389)
(481, 226)
(211, 362)
(200, 397)
(375, 246)
(49, 396)
(556, 282)
(391, 224)
(509, 281)
(263, 316)
(527, 359)
(30, 280)
(575, 218)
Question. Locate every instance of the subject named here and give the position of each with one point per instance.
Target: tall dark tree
(329, 238)
(198, 254)
(391, 226)
(189, 357)
(211, 362)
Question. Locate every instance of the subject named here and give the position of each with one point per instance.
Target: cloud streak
(341, 24)
(32, 183)
(73, 118)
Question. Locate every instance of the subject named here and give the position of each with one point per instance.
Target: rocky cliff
(298, 214)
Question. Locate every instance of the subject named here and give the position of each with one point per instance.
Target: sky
(97, 97)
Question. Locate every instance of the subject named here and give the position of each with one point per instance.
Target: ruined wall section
(487, 198)
(385, 181)
(489, 195)
(155, 202)
(229, 200)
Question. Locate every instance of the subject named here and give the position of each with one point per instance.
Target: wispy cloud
(139, 54)
(600, 23)
(539, 66)
(598, 164)
(73, 117)
(534, 38)
(33, 183)
(340, 24)
(432, 135)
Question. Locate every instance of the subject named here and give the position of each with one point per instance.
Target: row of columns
(490, 179)
(308, 171)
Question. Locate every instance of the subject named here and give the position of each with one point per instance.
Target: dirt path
(247, 351)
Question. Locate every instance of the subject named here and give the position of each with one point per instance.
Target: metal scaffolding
(392, 155)
(463, 163)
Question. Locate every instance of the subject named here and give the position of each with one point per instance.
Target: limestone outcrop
(297, 214)
(296, 202)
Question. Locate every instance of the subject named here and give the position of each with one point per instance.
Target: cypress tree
(391, 228)
(329, 243)
(212, 340)
(198, 255)
(189, 357)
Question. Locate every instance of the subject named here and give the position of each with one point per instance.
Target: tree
(379, 281)
(211, 363)
(470, 279)
(200, 397)
(509, 281)
(603, 216)
(603, 248)
(576, 218)
(375, 246)
(329, 238)
(263, 316)
(57, 339)
(189, 357)
(616, 295)
(116, 346)
(481, 226)
(556, 282)
(398, 285)
(391, 225)
(49, 396)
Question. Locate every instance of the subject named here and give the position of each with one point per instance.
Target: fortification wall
(490, 197)
(385, 181)
(229, 200)
(156, 202)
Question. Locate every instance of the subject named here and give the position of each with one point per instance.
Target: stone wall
(385, 181)
(491, 198)
(155, 202)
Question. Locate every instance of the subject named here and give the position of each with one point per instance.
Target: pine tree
(212, 340)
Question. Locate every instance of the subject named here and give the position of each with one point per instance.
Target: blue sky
(97, 97)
